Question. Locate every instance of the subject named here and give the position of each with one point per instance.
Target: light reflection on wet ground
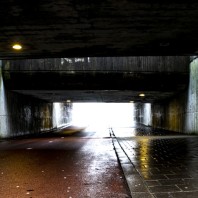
(75, 166)
(167, 163)
(160, 164)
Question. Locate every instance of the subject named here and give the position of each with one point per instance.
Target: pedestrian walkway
(78, 165)
(158, 163)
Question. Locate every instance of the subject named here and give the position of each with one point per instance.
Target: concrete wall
(62, 114)
(113, 64)
(171, 115)
(27, 115)
(181, 112)
(143, 113)
(3, 107)
(147, 118)
(20, 114)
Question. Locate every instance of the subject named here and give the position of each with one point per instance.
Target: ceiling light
(141, 95)
(17, 46)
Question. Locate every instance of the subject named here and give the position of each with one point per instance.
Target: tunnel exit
(103, 114)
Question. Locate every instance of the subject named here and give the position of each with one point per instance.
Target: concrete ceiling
(107, 96)
(109, 28)
(76, 28)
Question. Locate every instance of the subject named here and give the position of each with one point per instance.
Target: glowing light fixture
(142, 95)
(68, 101)
(17, 46)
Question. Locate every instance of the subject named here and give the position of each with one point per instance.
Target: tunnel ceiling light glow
(17, 47)
(142, 95)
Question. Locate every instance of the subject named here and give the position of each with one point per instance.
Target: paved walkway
(82, 165)
(158, 163)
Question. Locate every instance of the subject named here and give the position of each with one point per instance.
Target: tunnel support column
(3, 107)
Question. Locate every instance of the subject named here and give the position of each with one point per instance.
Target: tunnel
(37, 85)
(70, 113)
(98, 99)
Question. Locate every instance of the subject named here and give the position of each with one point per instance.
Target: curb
(134, 180)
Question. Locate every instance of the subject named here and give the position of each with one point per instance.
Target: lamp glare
(17, 47)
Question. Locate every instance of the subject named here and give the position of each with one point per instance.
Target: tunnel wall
(180, 113)
(171, 115)
(21, 114)
(27, 115)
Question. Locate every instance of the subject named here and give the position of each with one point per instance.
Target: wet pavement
(158, 164)
(76, 166)
(116, 162)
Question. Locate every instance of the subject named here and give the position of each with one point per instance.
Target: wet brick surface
(167, 163)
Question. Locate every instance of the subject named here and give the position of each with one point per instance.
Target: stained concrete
(20, 115)
(24, 115)
(94, 79)
(3, 107)
(137, 64)
(102, 28)
(180, 112)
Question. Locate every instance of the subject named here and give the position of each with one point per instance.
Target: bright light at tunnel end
(103, 114)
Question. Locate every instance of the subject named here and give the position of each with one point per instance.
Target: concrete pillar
(61, 114)
(4, 129)
(191, 121)
(144, 114)
(147, 118)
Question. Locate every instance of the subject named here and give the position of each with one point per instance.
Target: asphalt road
(76, 166)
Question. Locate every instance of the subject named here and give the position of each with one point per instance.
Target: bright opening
(103, 114)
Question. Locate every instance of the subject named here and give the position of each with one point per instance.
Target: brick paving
(163, 164)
